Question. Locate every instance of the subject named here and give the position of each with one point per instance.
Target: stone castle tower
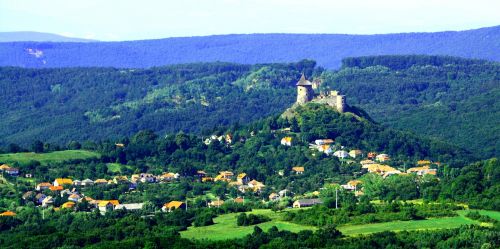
(305, 92)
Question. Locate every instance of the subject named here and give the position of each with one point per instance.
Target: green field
(44, 158)
(225, 227)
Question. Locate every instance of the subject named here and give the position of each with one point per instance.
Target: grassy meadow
(45, 158)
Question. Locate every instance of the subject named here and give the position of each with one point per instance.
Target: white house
(341, 154)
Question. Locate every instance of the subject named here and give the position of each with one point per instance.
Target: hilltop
(30, 36)
(327, 49)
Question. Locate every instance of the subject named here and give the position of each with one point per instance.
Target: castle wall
(304, 94)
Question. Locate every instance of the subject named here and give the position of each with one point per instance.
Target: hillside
(449, 98)
(21, 36)
(326, 49)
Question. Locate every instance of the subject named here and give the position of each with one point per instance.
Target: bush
(251, 219)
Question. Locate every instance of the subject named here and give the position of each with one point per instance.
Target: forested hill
(452, 99)
(326, 49)
(60, 105)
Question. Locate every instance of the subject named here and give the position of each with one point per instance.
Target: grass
(45, 158)
(225, 227)
(114, 167)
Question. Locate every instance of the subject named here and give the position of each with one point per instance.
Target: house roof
(62, 181)
(74, 196)
(273, 195)
(309, 201)
(239, 200)
(8, 213)
(242, 175)
(423, 162)
(354, 182)
(173, 204)
(298, 169)
(68, 204)
(101, 181)
(44, 184)
(130, 206)
(286, 139)
(217, 202)
(56, 188)
(4, 167)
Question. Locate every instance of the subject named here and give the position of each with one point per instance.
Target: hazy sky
(132, 20)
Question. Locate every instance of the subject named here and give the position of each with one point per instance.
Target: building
(382, 158)
(380, 169)
(274, 197)
(420, 171)
(43, 186)
(74, 197)
(298, 170)
(341, 154)
(243, 178)
(49, 201)
(323, 141)
(87, 182)
(239, 200)
(216, 203)
(12, 171)
(56, 188)
(171, 206)
(325, 148)
(101, 182)
(256, 185)
(130, 206)
(68, 205)
(305, 92)
(63, 181)
(371, 155)
(306, 203)
(287, 141)
(352, 185)
(355, 153)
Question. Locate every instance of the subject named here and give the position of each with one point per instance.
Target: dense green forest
(452, 99)
(448, 98)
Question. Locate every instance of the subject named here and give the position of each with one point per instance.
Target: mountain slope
(21, 36)
(326, 49)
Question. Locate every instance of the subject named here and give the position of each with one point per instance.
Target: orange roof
(68, 204)
(4, 167)
(8, 213)
(44, 184)
(354, 182)
(239, 200)
(287, 139)
(298, 169)
(217, 203)
(414, 169)
(105, 202)
(242, 175)
(100, 181)
(56, 188)
(173, 204)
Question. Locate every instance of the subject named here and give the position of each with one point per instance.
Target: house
(101, 182)
(87, 182)
(120, 180)
(130, 206)
(229, 138)
(169, 176)
(12, 171)
(352, 185)
(77, 183)
(107, 205)
(371, 155)
(366, 162)
(287, 141)
(68, 205)
(8, 214)
(355, 153)
(224, 176)
(423, 162)
(171, 206)
(306, 203)
(282, 193)
(243, 178)
(4, 167)
(325, 148)
(281, 172)
(380, 169)
(323, 141)
(43, 186)
(207, 179)
(420, 171)
(216, 203)
(382, 158)
(298, 170)
(39, 198)
(49, 201)
(256, 185)
(63, 181)
(274, 197)
(120, 145)
(74, 197)
(239, 200)
(341, 154)
(56, 188)
(392, 172)
(147, 178)
(28, 175)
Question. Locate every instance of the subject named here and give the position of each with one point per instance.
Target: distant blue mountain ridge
(327, 49)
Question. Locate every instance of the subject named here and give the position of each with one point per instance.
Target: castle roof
(303, 81)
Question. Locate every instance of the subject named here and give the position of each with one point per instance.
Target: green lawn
(114, 167)
(225, 227)
(44, 158)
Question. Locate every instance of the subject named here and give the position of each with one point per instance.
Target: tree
(37, 146)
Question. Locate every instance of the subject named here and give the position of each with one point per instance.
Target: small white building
(341, 154)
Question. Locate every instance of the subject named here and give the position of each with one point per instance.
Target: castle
(305, 94)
